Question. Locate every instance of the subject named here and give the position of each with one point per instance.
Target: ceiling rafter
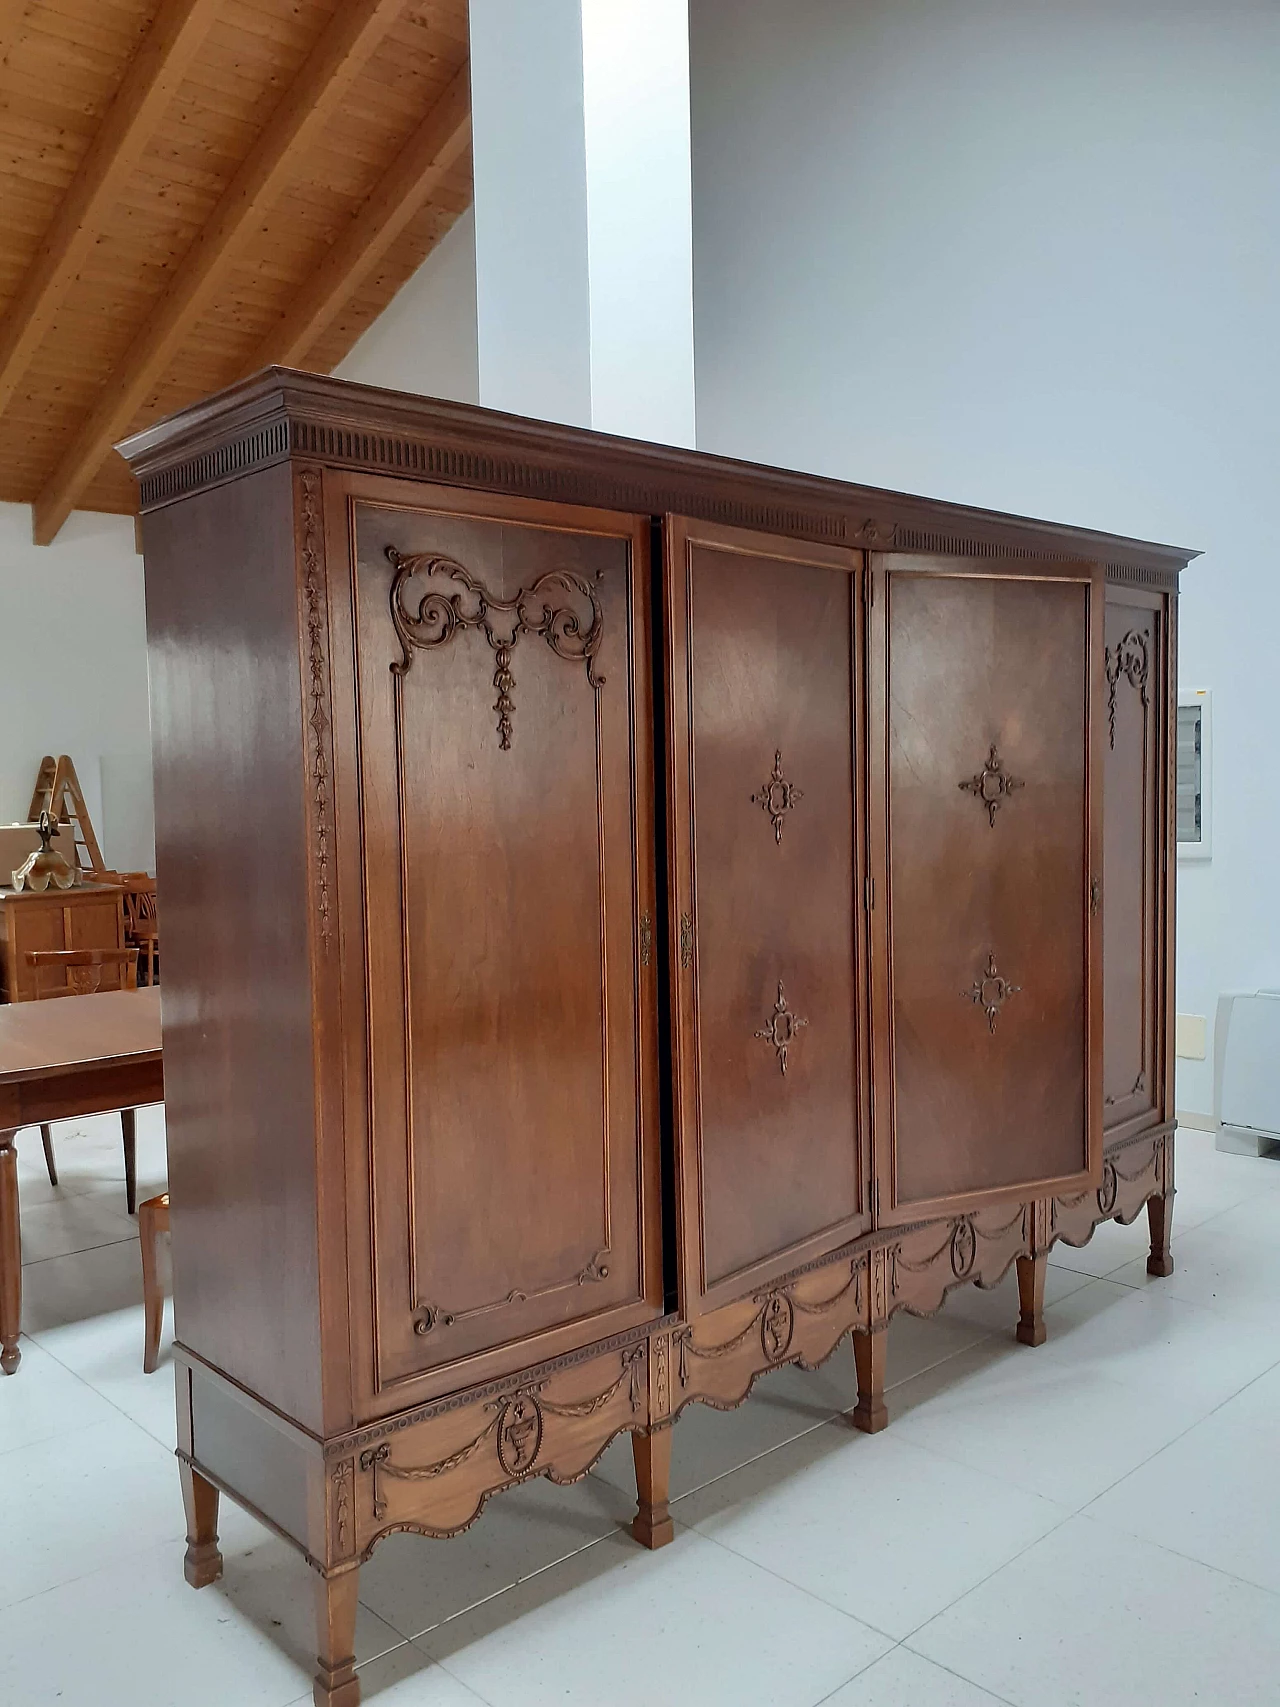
(338, 57)
(145, 91)
(433, 150)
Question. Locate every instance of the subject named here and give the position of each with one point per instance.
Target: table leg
(10, 1257)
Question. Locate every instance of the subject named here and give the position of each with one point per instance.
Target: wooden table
(60, 1059)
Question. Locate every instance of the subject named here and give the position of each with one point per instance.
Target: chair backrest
(89, 969)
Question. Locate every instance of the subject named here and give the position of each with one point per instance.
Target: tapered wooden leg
(129, 1131)
(1160, 1221)
(153, 1218)
(336, 1683)
(651, 1449)
(870, 1414)
(203, 1563)
(1031, 1272)
(10, 1257)
(46, 1138)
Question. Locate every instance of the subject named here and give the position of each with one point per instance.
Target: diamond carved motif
(992, 784)
(777, 797)
(781, 1028)
(990, 992)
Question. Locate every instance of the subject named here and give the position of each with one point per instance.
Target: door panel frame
(376, 1394)
(1120, 1129)
(882, 565)
(680, 534)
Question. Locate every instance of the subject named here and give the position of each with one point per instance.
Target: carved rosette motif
(781, 1028)
(318, 719)
(990, 992)
(992, 784)
(559, 606)
(777, 797)
(1128, 658)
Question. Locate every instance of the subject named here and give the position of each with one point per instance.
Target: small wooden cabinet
(88, 916)
(632, 919)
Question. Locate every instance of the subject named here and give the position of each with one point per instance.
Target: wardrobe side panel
(232, 873)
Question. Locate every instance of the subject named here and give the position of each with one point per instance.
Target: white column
(584, 229)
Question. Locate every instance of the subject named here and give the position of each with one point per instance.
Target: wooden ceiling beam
(148, 85)
(336, 60)
(437, 145)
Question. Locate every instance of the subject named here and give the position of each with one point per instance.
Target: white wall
(529, 165)
(635, 61)
(73, 674)
(425, 339)
(1025, 256)
(584, 243)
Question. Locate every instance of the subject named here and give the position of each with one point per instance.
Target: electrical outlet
(1190, 1036)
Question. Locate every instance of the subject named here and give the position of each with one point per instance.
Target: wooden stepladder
(58, 793)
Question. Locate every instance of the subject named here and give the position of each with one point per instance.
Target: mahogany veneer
(632, 919)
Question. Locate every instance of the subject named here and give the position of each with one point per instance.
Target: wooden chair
(153, 1219)
(88, 971)
(142, 925)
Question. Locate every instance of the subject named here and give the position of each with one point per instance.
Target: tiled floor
(1094, 1522)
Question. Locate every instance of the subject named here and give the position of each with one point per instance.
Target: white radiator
(1246, 1071)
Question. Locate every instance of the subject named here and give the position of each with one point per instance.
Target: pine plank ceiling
(192, 188)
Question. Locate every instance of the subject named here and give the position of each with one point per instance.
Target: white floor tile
(81, 1286)
(1088, 1617)
(725, 1632)
(406, 1677)
(1153, 1340)
(709, 1443)
(787, 1404)
(1213, 1495)
(106, 1352)
(45, 1400)
(1230, 1265)
(996, 1311)
(73, 1504)
(1061, 1432)
(825, 1535)
(796, 1512)
(415, 1583)
(904, 1679)
(82, 1223)
(140, 1634)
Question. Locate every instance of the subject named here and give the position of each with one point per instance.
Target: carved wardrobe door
(765, 719)
(986, 834)
(503, 670)
(1133, 934)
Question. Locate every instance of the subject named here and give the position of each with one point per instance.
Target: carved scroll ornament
(1128, 658)
(560, 606)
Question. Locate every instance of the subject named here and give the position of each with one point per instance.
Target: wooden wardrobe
(632, 919)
